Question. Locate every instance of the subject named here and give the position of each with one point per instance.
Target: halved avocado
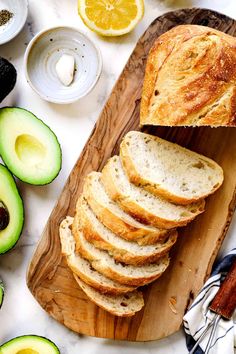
(11, 211)
(29, 344)
(28, 147)
(1, 293)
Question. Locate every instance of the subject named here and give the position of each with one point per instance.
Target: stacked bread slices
(126, 218)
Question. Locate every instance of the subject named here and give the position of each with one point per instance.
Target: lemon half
(111, 17)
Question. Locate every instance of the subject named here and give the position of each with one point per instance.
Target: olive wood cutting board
(168, 298)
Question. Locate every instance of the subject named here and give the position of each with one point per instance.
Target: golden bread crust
(120, 255)
(88, 278)
(136, 210)
(142, 235)
(137, 296)
(190, 79)
(108, 271)
(138, 179)
(101, 287)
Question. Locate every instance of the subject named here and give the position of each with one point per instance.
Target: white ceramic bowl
(44, 51)
(19, 8)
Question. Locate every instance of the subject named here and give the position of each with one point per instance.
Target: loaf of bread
(126, 218)
(148, 162)
(190, 79)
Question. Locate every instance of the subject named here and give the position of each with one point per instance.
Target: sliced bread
(114, 218)
(83, 268)
(143, 205)
(124, 251)
(120, 305)
(105, 264)
(169, 170)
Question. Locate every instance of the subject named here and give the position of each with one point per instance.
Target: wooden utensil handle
(224, 303)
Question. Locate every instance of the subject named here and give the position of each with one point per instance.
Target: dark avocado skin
(2, 292)
(8, 77)
(35, 336)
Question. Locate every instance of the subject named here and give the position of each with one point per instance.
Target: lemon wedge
(111, 17)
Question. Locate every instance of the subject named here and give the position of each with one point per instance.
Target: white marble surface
(72, 123)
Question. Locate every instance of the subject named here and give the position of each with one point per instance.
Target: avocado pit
(4, 217)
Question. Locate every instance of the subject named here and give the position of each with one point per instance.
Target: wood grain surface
(166, 300)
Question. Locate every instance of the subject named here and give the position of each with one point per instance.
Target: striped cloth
(199, 316)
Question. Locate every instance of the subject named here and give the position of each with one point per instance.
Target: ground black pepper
(5, 16)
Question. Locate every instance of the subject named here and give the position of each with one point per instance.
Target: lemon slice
(111, 17)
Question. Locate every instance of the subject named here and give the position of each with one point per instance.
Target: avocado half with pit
(28, 147)
(11, 211)
(29, 344)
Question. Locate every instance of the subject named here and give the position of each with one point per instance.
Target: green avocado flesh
(1, 293)
(28, 147)
(29, 345)
(10, 198)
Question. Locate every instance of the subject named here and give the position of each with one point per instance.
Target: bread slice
(169, 170)
(114, 218)
(122, 250)
(83, 268)
(120, 305)
(143, 205)
(124, 274)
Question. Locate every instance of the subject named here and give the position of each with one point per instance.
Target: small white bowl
(44, 51)
(19, 8)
